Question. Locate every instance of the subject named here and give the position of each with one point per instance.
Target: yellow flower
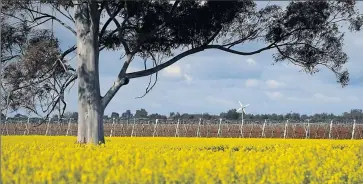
(41, 159)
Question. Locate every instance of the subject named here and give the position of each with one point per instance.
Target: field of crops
(56, 159)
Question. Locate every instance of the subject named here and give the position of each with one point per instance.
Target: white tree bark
(90, 109)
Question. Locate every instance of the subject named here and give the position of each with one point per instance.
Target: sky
(214, 81)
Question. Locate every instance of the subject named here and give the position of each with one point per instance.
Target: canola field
(40, 159)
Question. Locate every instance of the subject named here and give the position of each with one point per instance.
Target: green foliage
(142, 113)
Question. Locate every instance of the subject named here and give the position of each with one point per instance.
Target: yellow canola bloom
(41, 159)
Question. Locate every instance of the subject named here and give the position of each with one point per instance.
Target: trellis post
(69, 126)
(241, 128)
(330, 129)
(48, 124)
(263, 129)
(156, 124)
(198, 129)
(285, 130)
(177, 129)
(112, 127)
(353, 131)
(219, 128)
(307, 131)
(26, 126)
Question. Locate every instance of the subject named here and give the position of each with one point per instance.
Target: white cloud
(172, 71)
(250, 61)
(326, 99)
(252, 83)
(274, 95)
(273, 84)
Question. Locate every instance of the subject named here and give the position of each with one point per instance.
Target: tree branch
(153, 70)
(67, 16)
(45, 15)
(119, 28)
(112, 16)
(148, 88)
(120, 81)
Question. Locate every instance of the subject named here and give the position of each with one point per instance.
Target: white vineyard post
(198, 129)
(69, 126)
(156, 124)
(285, 130)
(47, 130)
(219, 128)
(353, 131)
(28, 131)
(330, 129)
(112, 127)
(133, 127)
(307, 131)
(263, 129)
(177, 129)
(143, 128)
(26, 126)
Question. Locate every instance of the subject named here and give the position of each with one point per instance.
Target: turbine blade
(244, 111)
(240, 103)
(239, 109)
(247, 105)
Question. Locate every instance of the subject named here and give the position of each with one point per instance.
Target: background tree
(172, 115)
(142, 113)
(157, 116)
(20, 116)
(232, 114)
(127, 114)
(177, 115)
(115, 115)
(161, 33)
(74, 115)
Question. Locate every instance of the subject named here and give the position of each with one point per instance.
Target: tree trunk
(90, 109)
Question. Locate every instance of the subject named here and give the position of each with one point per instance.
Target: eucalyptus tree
(307, 34)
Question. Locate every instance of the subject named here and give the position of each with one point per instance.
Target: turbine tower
(242, 109)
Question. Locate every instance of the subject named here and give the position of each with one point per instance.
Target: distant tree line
(231, 114)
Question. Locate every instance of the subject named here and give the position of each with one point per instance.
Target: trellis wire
(190, 128)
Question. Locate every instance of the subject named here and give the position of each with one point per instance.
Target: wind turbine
(242, 109)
